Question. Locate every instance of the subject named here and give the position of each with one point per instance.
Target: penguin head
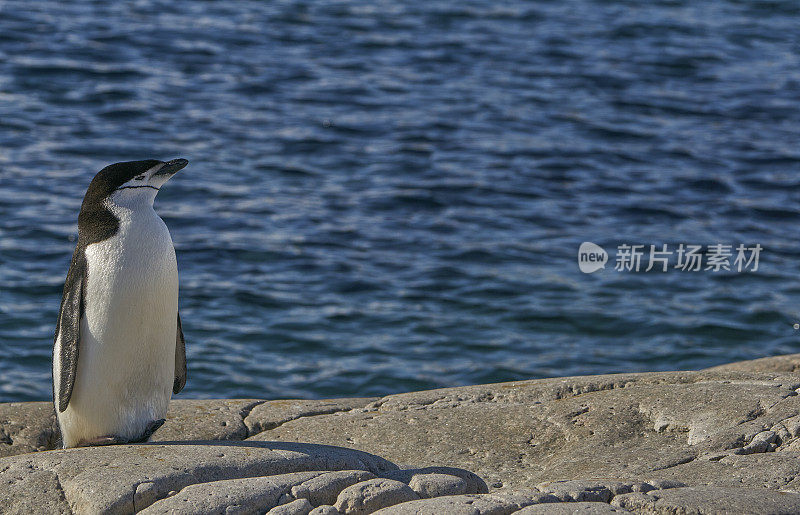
(132, 182)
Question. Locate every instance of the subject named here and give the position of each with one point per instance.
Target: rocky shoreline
(725, 439)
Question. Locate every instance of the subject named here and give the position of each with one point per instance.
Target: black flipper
(69, 328)
(180, 360)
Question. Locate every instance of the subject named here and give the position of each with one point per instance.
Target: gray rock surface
(666, 425)
(500, 503)
(702, 500)
(213, 419)
(372, 495)
(27, 427)
(437, 485)
(473, 484)
(731, 433)
(296, 507)
(128, 478)
(204, 477)
(324, 489)
(571, 508)
(785, 363)
(242, 495)
(267, 415)
(598, 490)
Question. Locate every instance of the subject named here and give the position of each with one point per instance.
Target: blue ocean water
(389, 196)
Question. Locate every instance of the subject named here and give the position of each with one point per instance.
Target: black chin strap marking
(132, 187)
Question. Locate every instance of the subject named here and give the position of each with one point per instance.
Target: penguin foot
(102, 440)
(117, 440)
(151, 428)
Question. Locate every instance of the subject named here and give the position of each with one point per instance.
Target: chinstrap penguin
(118, 351)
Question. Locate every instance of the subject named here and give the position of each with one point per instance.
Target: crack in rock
(268, 415)
(245, 411)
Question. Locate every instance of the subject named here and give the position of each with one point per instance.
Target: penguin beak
(170, 168)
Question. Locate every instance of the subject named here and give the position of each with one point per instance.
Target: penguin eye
(139, 178)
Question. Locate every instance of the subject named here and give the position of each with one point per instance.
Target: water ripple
(389, 196)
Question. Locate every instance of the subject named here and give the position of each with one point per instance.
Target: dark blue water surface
(386, 196)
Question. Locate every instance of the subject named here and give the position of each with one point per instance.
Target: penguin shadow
(309, 449)
(301, 447)
(54, 442)
(327, 453)
(283, 446)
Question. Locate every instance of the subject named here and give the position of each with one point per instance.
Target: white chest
(132, 283)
